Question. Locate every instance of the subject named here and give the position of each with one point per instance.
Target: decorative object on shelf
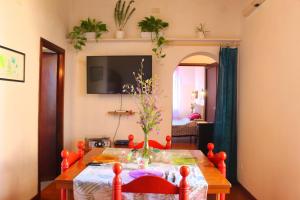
(201, 31)
(122, 15)
(146, 94)
(88, 29)
(12, 65)
(97, 142)
(154, 26)
(121, 112)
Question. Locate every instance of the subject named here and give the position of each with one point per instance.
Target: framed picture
(12, 65)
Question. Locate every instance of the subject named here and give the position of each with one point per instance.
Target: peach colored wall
(222, 17)
(86, 115)
(269, 96)
(22, 24)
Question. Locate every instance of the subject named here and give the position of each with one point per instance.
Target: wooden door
(51, 106)
(49, 166)
(211, 91)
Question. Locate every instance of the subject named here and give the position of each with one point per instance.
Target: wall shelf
(177, 41)
(121, 112)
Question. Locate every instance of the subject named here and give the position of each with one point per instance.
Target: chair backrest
(150, 184)
(68, 159)
(152, 143)
(218, 159)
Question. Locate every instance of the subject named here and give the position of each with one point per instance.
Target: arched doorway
(194, 96)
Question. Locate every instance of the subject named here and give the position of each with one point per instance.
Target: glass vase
(144, 159)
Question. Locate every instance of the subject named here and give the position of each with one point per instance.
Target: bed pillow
(194, 116)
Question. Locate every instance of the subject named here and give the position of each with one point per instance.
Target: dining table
(216, 182)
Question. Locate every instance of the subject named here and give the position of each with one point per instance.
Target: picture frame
(12, 65)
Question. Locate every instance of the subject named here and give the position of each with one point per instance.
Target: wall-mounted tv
(108, 74)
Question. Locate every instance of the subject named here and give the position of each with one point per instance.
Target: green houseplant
(155, 26)
(87, 27)
(121, 15)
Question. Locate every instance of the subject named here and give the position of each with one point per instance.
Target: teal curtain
(225, 136)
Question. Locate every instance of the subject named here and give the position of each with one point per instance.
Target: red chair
(68, 159)
(218, 159)
(150, 184)
(152, 143)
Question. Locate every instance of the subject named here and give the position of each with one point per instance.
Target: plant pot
(90, 35)
(120, 34)
(146, 35)
(200, 35)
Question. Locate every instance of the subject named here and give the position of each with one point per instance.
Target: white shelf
(191, 40)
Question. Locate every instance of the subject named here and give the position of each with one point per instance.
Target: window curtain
(225, 133)
(176, 94)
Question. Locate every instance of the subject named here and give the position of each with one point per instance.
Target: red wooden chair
(218, 159)
(68, 159)
(152, 143)
(150, 184)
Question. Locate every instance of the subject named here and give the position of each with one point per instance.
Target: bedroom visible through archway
(194, 96)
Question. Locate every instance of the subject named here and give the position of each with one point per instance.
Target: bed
(184, 128)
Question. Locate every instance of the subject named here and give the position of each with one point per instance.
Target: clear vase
(144, 159)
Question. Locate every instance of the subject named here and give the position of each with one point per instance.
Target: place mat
(105, 158)
(145, 172)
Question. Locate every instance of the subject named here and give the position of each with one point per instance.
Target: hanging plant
(155, 26)
(78, 34)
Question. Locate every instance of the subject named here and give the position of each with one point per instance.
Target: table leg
(218, 197)
(69, 194)
(63, 193)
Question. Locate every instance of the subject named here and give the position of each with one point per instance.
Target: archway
(194, 95)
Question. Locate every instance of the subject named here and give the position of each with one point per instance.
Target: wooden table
(216, 182)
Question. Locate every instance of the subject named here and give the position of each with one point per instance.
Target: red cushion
(194, 116)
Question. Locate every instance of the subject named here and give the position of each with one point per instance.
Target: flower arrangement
(146, 93)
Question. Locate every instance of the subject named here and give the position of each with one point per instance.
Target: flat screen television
(108, 74)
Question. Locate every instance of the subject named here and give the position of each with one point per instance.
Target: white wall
(22, 24)
(86, 115)
(269, 95)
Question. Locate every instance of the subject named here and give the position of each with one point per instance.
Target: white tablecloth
(95, 182)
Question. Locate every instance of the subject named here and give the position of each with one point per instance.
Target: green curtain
(225, 138)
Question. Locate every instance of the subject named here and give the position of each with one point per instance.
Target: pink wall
(185, 81)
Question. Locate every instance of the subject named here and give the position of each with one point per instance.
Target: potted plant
(151, 26)
(122, 15)
(88, 29)
(201, 31)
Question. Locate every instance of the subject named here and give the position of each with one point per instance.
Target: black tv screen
(108, 74)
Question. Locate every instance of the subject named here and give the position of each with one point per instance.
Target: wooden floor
(237, 191)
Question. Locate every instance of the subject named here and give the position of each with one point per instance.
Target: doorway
(194, 97)
(51, 107)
